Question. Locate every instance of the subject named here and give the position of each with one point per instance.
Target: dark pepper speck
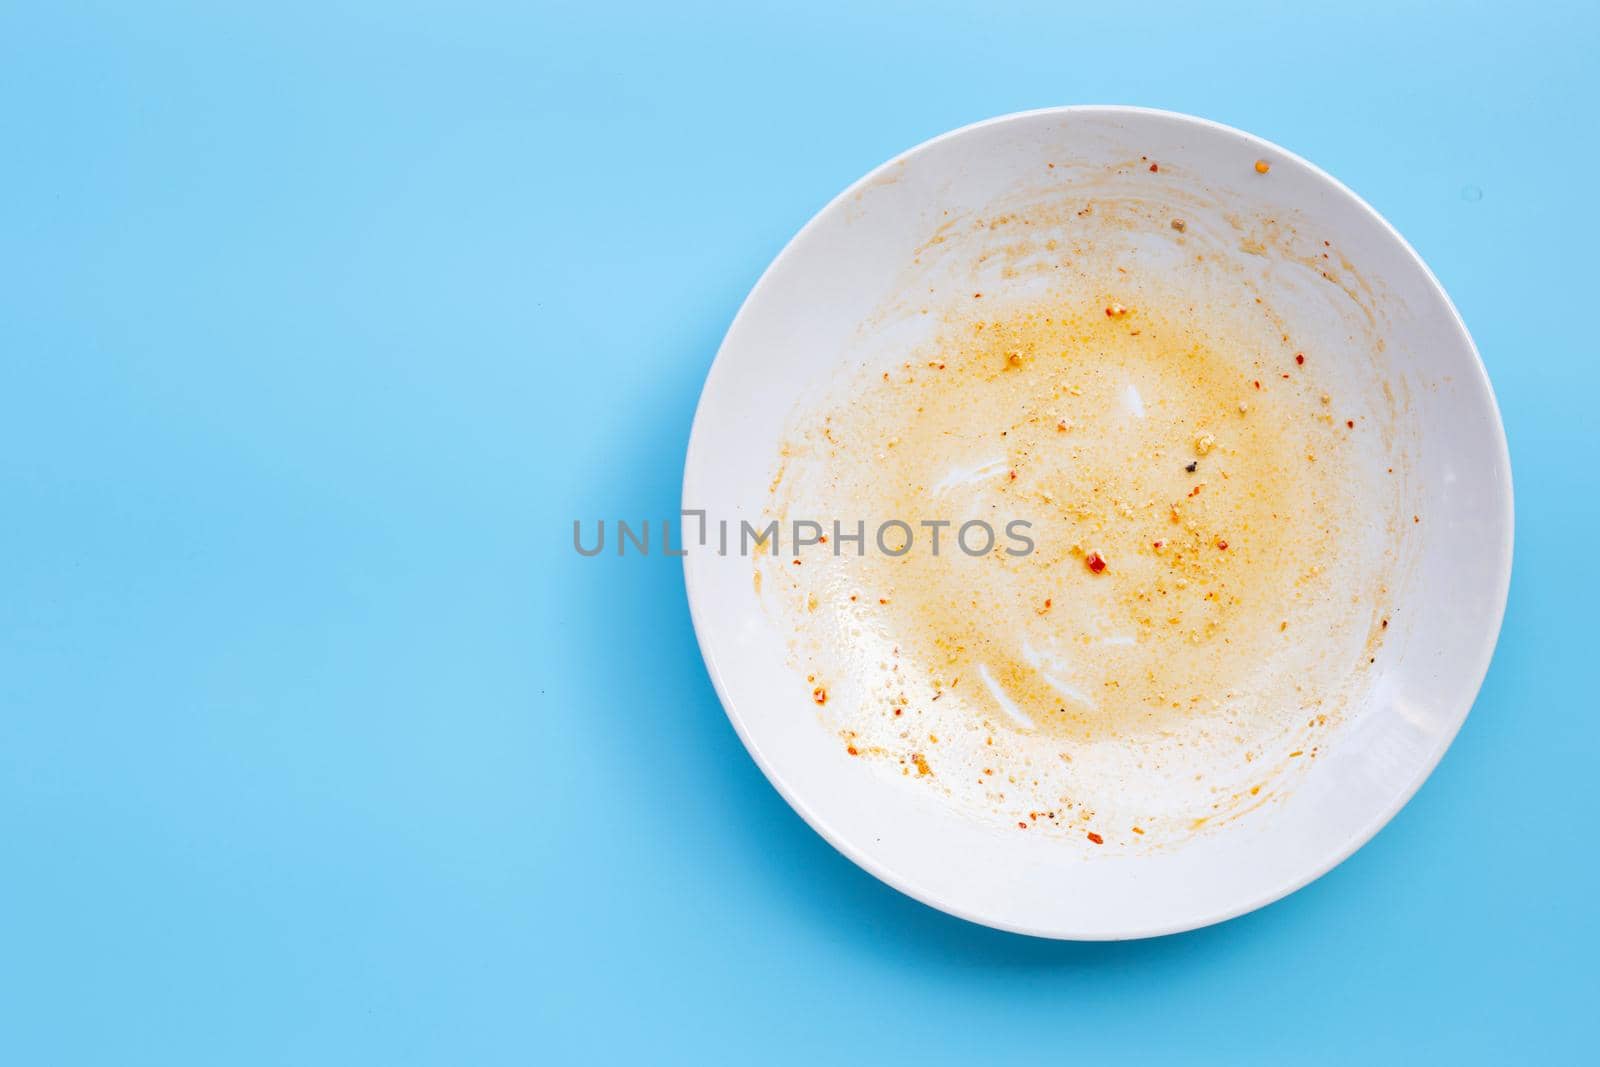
(1191, 467)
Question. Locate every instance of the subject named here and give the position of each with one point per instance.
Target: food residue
(1054, 694)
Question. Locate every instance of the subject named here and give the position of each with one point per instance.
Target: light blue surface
(318, 744)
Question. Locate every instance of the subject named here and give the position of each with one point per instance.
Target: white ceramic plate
(1338, 273)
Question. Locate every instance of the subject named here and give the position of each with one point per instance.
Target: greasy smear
(1202, 574)
(1086, 425)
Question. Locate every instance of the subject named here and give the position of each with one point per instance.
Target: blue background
(320, 323)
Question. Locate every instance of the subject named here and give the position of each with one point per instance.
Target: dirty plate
(1226, 513)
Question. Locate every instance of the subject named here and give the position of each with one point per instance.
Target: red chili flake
(1157, 545)
(1021, 825)
(1258, 383)
(853, 750)
(1095, 562)
(1096, 838)
(1013, 475)
(820, 695)
(1299, 357)
(897, 711)
(1350, 423)
(977, 296)
(1222, 545)
(1154, 169)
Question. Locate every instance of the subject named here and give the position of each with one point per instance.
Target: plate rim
(1480, 663)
